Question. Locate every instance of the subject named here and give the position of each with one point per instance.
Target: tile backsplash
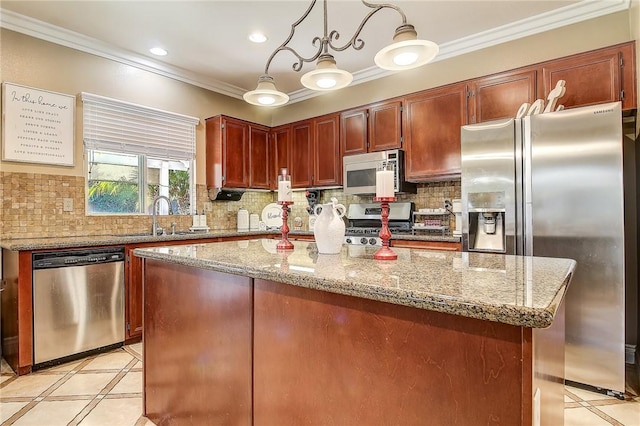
(33, 206)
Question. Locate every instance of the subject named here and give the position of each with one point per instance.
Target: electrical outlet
(67, 204)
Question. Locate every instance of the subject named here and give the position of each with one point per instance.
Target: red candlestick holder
(385, 253)
(284, 243)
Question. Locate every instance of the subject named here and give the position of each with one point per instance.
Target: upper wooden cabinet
(259, 169)
(279, 153)
(500, 96)
(432, 121)
(355, 130)
(385, 125)
(301, 148)
(237, 153)
(605, 75)
(315, 152)
(327, 160)
(374, 128)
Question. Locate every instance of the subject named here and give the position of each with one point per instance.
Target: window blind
(118, 126)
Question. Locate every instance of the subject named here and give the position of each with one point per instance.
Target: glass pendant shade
(266, 93)
(326, 76)
(406, 51)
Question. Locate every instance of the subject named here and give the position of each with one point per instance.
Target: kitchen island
(236, 332)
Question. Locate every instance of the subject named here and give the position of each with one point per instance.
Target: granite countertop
(44, 243)
(516, 290)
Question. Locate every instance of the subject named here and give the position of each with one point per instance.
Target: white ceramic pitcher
(329, 227)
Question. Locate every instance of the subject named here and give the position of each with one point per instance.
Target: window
(133, 154)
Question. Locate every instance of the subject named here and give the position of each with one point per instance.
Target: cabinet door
(353, 135)
(258, 157)
(301, 154)
(431, 128)
(235, 153)
(279, 153)
(133, 286)
(593, 78)
(327, 169)
(385, 130)
(500, 96)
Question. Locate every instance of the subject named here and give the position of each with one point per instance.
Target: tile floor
(106, 390)
(100, 390)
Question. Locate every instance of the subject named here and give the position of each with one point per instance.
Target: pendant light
(266, 93)
(326, 76)
(406, 52)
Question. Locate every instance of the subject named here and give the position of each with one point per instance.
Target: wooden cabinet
(604, 75)
(315, 152)
(201, 322)
(431, 127)
(259, 169)
(237, 153)
(374, 128)
(301, 154)
(279, 153)
(427, 245)
(354, 131)
(327, 160)
(501, 95)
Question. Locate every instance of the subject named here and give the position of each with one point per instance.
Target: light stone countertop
(516, 290)
(52, 243)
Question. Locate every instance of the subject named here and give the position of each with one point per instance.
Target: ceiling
(208, 44)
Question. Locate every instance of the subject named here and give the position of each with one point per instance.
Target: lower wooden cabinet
(427, 245)
(197, 346)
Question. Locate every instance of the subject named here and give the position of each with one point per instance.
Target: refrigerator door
(574, 200)
(489, 183)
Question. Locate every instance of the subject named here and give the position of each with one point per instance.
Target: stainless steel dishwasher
(78, 302)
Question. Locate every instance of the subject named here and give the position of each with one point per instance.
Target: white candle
(384, 183)
(284, 190)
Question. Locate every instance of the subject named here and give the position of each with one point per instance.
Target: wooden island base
(227, 349)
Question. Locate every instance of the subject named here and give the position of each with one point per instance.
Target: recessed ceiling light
(257, 37)
(158, 51)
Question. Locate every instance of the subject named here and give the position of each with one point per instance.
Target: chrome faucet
(154, 228)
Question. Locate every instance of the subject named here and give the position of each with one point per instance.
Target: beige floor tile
(110, 361)
(583, 417)
(138, 365)
(136, 347)
(4, 367)
(130, 383)
(588, 395)
(64, 367)
(8, 409)
(628, 413)
(84, 384)
(30, 385)
(5, 378)
(109, 412)
(51, 413)
(567, 398)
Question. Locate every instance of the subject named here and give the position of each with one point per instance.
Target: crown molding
(567, 15)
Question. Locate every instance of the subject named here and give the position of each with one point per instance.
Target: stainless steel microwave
(359, 172)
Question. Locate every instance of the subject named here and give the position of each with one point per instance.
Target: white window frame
(117, 126)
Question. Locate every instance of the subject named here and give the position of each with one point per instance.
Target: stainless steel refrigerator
(552, 185)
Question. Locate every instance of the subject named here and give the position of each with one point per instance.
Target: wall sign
(37, 125)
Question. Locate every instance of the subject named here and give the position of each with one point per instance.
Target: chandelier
(405, 52)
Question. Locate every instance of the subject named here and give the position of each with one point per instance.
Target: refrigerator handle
(527, 189)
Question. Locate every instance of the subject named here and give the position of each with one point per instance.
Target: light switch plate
(67, 204)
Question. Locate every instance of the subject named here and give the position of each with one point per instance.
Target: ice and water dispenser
(486, 221)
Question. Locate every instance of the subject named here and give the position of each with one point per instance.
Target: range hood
(219, 194)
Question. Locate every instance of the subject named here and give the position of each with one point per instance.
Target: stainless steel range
(365, 222)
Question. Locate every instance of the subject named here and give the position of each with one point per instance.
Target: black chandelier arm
(356, 42)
